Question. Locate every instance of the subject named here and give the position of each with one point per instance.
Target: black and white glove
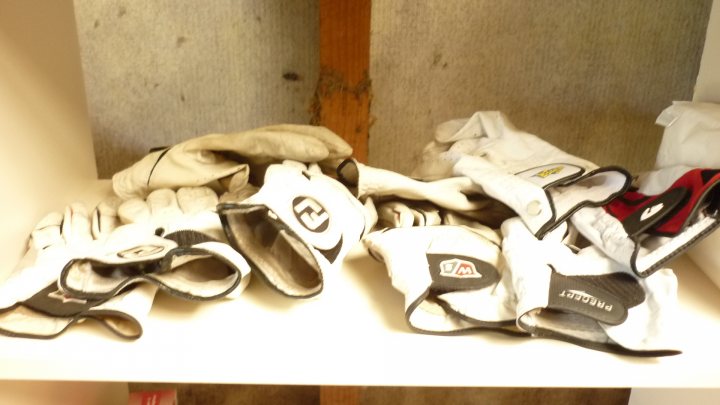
(452, 277)
(296, 229)
(173, 240)
(31, 303)
(587, 298)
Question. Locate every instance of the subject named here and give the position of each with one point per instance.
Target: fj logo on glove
(458, 269)
(140, 251)
(311, 214)
(585, 298)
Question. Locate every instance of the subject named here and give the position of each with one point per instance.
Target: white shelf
(354, 333)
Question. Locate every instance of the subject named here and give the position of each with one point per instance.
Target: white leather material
(451, 265)
(649, 304)
(204, 160)
(297, 228)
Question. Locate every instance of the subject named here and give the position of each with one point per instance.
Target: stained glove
(586, 298)
(296, 229)
(643, 232)
(173, 240)
(32, 305)
(540, 182)
(207, 159)
(452, 277)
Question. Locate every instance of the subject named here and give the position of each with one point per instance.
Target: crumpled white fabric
(297, 228)
(411, 256)
(541, 183)
(32, 304)
(172, 239)
(450, 193)
(646, 330)
(691, 136)
(429, 201)
(205, 160)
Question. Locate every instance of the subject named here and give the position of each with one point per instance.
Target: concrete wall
(158, 72)
(589, 76)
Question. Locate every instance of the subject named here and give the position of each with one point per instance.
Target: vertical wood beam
(343, 92)
(342, 101)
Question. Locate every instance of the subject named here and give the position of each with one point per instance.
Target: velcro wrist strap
(448, 271)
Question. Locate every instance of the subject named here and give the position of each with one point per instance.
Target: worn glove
(644, 232)
(455, 194)
(173, 240)
(452, 277)
(207, 159)
(540, 182)
(32, 305)
(586, 298)
(296, 229)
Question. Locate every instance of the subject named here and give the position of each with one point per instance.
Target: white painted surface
(46, 152)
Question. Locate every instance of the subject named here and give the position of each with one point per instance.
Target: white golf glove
(586, 298)
(31, 303)
(388, 189)
(540, 182)
(452, 277)
(207, 159)
(173, 240)
(296, 229)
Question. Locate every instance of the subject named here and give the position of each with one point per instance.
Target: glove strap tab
(605, 298)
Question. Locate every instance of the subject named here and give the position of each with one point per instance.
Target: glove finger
(163, 205)
(105, 218)
(261, 145)
(47, 232)
(237, 181)
(336, 147)
(193, 200)
(133, 211)
(76, 225)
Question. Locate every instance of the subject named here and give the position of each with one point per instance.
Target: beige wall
(46, 153)
(589, 76)
(161, 71)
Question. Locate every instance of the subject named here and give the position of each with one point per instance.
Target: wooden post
(343, 92)
(342, 101)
